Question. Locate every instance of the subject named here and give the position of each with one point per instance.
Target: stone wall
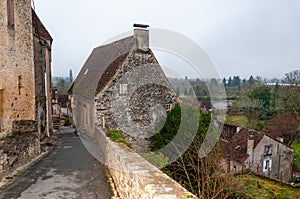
(22, 143)
(147, 95)
(134, 177)
(16, 65)
(41, 66)
(24, 126)
(281, 158)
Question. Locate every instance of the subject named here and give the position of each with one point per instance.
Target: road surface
(68, 171)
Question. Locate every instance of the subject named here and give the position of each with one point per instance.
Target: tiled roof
(63, 99)
(39, 29)
(235, 148)
(101, 66)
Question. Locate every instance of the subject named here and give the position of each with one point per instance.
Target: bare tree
(293, 77)
(202, 176)
(284, 125)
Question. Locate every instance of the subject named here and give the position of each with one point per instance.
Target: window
(123, 89)
(268, 150)
(267, 165)
(10, 14)
(168, 107)
(20, 84)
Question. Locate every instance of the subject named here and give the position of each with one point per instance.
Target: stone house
(121, 84)
(248, 149)
(42, 44)
(25, 70)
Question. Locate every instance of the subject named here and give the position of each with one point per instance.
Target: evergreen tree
(71, 76)
(244, 82)
(224, 82)
(229, 81)
(251, 80)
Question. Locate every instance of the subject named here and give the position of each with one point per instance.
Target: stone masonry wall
(16, 65)
(134, 177)
(148, 94)
(281, 157)
(22, 143)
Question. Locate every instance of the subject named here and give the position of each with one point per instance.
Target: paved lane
(69, 171)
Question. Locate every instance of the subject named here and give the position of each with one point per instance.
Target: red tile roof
(235, 148)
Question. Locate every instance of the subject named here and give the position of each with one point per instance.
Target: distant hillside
(62, 84)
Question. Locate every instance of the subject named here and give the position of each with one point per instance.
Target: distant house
(25, 72)
(107, 75)
(248, 149)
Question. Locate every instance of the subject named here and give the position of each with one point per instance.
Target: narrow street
(69, 171)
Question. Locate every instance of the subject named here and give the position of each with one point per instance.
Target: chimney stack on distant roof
(136, 25)
(141, 37)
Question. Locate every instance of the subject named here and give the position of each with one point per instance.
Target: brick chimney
(141, 37)
(250, 151)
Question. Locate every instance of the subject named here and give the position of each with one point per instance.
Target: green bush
(117, 136)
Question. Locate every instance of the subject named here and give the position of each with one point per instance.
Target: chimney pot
(136, 25)
(141, 37)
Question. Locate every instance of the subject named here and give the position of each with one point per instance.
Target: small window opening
(123, 89)
(168, 107)
(20, 86)
(268, 150)
(11, 14)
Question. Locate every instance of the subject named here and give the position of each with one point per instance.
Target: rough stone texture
(16, 52)
(24, 126)
(134, 177)
(42, 42)
(147, 88)
(22, 143)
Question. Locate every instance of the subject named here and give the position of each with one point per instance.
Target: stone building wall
(16, 65)
(281, 158)
(23, 143)
(147, 87)
(42, 66)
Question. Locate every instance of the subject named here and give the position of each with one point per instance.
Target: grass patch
(117, 136)
(261, 188)
(239, 120)
(296, 147)
(242, 121)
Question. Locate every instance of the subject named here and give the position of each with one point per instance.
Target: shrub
(117, 136)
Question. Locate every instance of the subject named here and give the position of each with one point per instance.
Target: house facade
(248, 149)
(21, 34)
(124, 83)
(17, 86)
(42, 44)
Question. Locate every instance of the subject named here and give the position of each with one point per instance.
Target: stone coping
(136, 178)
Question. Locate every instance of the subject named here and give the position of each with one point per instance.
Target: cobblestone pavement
(69, 171)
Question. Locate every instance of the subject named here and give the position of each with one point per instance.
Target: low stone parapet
(136, 178)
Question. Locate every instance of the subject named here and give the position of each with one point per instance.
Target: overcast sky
(250, 37)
